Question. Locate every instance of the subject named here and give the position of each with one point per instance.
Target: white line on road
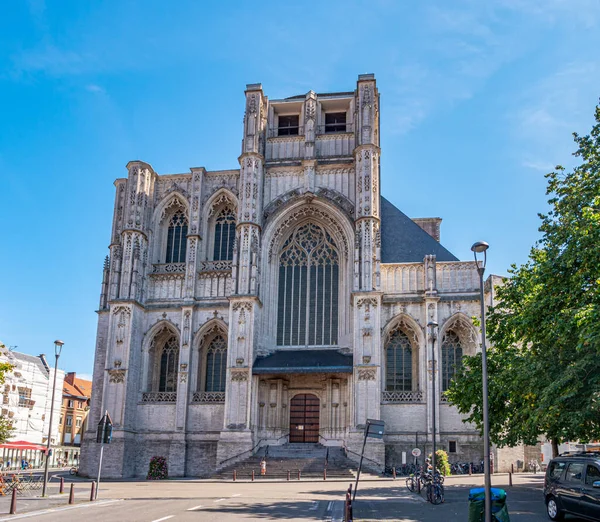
(237, 495)
(219, 500)
(194, 508)
(329, 506)
(314, 506)
(56, 510)
(163, 518)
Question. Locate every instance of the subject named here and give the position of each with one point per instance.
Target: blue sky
(478, 102)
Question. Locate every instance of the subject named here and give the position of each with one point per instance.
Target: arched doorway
(304, 418)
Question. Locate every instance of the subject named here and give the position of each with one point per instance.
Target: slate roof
(33, 359)
(403, 241)
(303, 361)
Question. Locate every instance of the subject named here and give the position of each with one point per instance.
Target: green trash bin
(477, 505)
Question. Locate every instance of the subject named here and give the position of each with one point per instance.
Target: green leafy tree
(5, 424)
(544, 363)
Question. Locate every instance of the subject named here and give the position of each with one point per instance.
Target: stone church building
(284, 301)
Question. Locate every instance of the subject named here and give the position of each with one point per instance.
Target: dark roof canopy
(403, 241)
(303, 361)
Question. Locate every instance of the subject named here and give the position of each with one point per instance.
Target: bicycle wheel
(410, 483)
(437, 494)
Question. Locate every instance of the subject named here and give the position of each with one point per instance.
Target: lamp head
(480, 246)
(432, 324)
(58, 347)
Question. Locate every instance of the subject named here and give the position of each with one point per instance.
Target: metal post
(13, 502)
(478, 247)
(72, 493)
(433, 325)
(62, 485)
(362, 454)
(93, 492)
(100, 466)
(56, 355)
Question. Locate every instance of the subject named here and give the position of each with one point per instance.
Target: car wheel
(552, 509)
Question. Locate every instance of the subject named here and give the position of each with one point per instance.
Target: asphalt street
(189, 500)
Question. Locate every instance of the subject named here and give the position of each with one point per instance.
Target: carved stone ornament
(239, 375)
(366, 374)
(117, 363)
(366, 301)
(183, 377)
(239, 361)
(116, 376)
(366, 359)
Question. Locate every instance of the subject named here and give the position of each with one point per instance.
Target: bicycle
(435, 492)
(74, 471)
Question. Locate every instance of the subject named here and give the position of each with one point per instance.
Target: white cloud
(92, 87)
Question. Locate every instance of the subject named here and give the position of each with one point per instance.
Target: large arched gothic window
(452, 353)
(177, 238)
(307, 312)
(216, 365)
(224, 235)
(165, 358)
(399, 363)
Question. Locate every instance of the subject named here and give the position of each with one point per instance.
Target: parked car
(572, 485)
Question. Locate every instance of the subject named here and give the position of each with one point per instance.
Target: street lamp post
(432, 325)
(477, 248)
(57, 349)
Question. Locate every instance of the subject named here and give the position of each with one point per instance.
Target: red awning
(22, 445)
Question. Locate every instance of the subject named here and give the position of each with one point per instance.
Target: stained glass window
(452, 353)
(398, 370)
(216, 365)
(169, 356)
(308, 289)
(177, 238)
(224, 235)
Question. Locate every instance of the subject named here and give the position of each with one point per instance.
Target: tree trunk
(554, 448)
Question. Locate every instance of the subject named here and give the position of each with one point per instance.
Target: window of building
(177, 238)
(169, 356)
(452, 353)
(451, 446)
(399, 367)
(335, 122)
(216, 365)
(79, 404)
(288, 125)
(60, 419)
(69, 420)
(70, 403)
(78, 422)
(224, 235)
(24, 397)
(308, 289)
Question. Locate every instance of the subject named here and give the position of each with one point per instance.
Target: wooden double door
(304, 418)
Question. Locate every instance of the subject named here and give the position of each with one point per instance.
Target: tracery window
(216, 365)
(307, 311)
(177, 238)
(167, 371)
(452, 353)
(224, 235)
(399, 366)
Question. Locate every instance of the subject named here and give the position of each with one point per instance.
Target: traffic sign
(416, 452)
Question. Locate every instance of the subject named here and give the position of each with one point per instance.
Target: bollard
(72, 494)
(62, 485)
(298, 474)
(252, 475)
(491, 466)
(234, 475)
(512, 468)
(510, 479)
(13, 502)
(394, 473)
(288, 475)
(93, 491)
(325, 474)
(470, 468)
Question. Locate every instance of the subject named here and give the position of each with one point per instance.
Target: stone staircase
(309, 459)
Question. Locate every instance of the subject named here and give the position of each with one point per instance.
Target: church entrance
(304, 418)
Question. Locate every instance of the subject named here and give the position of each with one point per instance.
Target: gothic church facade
(282, 301)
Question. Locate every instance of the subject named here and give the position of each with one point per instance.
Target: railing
(159, 397)
(215, 266)
(398, 397)
(208, 397)
(285, 132)
(251, 451)
(168, 268)
(332, 128)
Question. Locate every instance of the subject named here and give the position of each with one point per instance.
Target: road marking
(194, 508)
(219, 500)
(237, 495)
(57, 510)
(163, 518)
(329, 505)
(314, 506)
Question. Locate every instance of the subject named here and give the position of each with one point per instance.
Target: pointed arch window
(166, 361)
(177, 238)
(399, 363)
(216, 365)
(307, 313)
(452, 353)
(224, 235)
